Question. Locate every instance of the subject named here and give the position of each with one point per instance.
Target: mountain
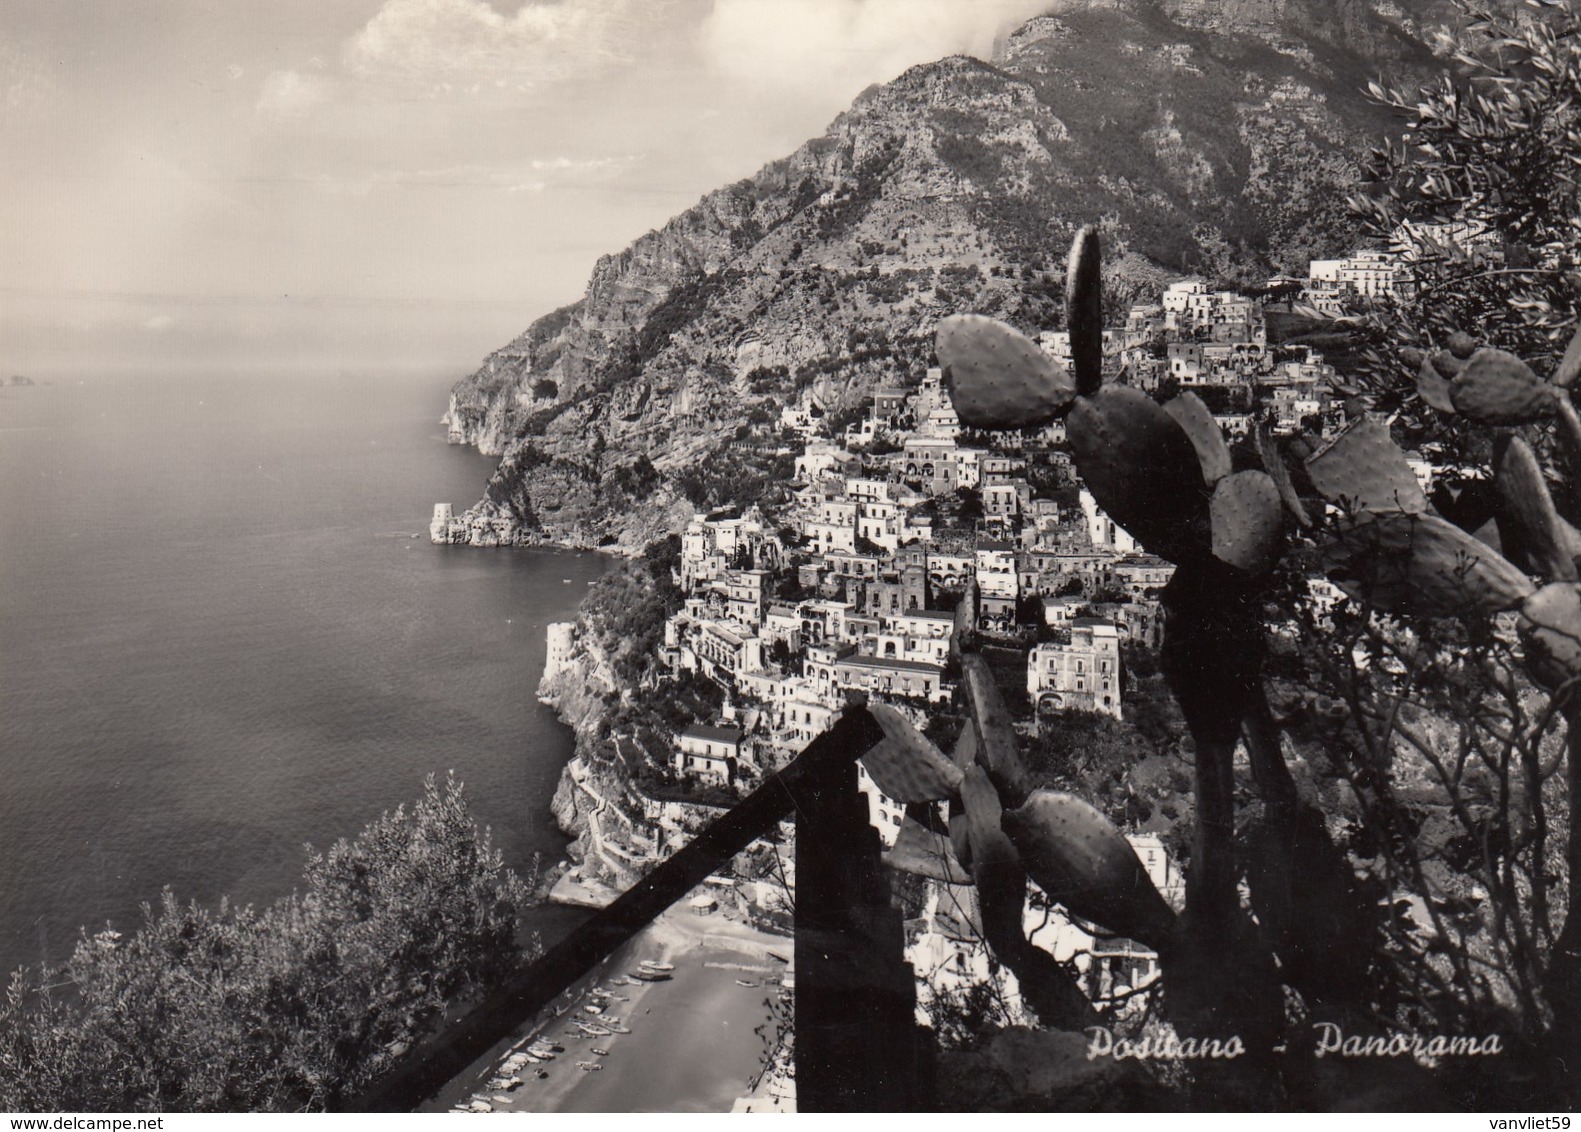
(1212, 136)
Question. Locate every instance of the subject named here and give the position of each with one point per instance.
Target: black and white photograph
(788, 556)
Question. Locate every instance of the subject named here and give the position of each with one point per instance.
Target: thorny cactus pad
(906, 765)
(1363, 470)
(1531, 533)
(1084, 311)
(1551, 632)
(1080, 860)
(1498, 388)
(1143, 471)
(998, 377)
(1248, 522)
(1198, 424)
(1420, 564)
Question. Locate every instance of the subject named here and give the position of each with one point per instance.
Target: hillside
(1215, 136)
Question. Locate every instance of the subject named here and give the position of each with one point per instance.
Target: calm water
(223, 633)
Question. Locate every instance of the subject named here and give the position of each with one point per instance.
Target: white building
(1083, 674)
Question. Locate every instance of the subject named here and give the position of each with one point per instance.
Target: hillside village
(850, 585)
(847, 586)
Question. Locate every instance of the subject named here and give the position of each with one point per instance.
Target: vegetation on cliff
(281, 1009)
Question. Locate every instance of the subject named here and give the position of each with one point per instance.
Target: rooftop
(712, 734)
(892, 664)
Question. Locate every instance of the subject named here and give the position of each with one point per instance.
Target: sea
(224, 635)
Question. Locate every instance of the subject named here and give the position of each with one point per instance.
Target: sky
(244, 185)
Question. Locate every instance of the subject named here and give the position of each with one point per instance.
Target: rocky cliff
(1206, 135)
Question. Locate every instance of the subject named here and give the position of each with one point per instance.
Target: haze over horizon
(388, 182)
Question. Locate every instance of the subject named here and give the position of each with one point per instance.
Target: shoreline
(697, 1040)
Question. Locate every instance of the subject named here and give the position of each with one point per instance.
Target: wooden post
(858, 1048)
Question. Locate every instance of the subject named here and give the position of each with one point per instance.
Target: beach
(698, 1040)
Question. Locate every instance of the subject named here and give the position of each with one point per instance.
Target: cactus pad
(1081, 860)
(924, 853)
(1570, 365)
(1529, 529)
(1084, 311)
(1143, 471)
(997, 376)
(1498, 388)
(990, 848)
(1248, 522)
(1274, 464)
(1551, 631)
(1420, 564)
(1433, 387)
(1198, 423)
(1361, 468)
(905, 765)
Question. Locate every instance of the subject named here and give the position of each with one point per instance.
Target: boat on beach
(648, 976)
(746, 983)
(620, 1029)
(650, 965)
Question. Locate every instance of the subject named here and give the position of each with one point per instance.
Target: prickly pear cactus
(1363, 470)
(998, 377)
(1433, 387)
(906, 765)
(1531, 534)
(1498, 388)
(1248, 522)
(1079, 859)
(1420, 564)
(1142, 470)
(1084, 311)
(1551, 633)
(1193, 417)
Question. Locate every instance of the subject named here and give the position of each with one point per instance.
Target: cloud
(456, 45)
(843, 45)
(160, 322)
(290, 94)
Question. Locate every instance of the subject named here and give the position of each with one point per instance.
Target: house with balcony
(1083, 673)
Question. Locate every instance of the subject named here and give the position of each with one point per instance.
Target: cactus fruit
(905, 765)
(1446, 363)
(1551, 631)
(1081, 860)
(1198, 423)
(1461, 345)
(1498, 388)
(1143, 471)
(1248, 522)
(1433, 387)
(1274, 464)
(1084, 311)
(1363, 469)
(1404, 563)
(1530, 533)
(997, 376)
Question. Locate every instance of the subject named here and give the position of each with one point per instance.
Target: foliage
(287, 1008)
(627, 607)
(1494, 148)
